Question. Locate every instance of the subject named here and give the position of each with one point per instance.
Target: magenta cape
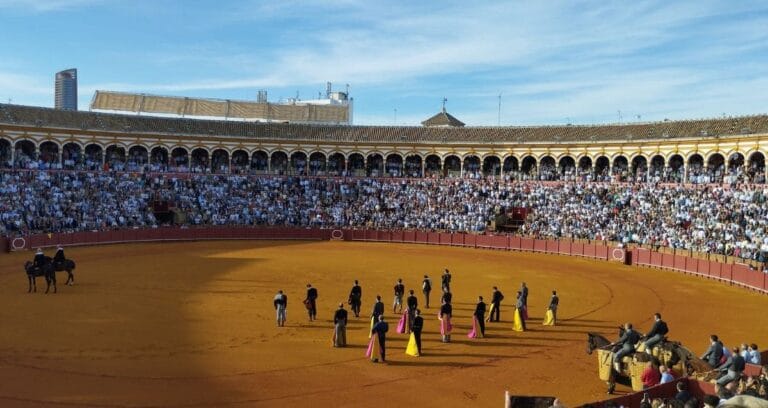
(475, 332)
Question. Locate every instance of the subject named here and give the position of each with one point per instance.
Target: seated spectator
(665, 375)
(753, 355)
(683, 395)
(651, 375)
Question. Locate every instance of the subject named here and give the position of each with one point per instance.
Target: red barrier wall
(553, 247)
(577, 248)
(526, 244)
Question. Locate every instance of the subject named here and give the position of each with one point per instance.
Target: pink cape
(402, 325)
(445, 325)
(475, 332)
(374, 348)
(525, 313)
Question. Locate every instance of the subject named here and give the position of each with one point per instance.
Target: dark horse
(47, 271)
(68, 266)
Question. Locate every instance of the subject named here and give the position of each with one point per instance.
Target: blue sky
(553, 62)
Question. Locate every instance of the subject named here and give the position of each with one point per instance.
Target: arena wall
(735, 274)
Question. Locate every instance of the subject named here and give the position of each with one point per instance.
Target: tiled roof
(443, 119)
(80, 120)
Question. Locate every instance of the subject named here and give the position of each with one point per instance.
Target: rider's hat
(39, 250)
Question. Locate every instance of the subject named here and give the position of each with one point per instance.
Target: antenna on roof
(444, 101)
(499, 122)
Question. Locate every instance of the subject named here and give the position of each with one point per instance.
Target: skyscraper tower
(66, 89)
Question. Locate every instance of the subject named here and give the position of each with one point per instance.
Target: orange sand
(192, 324)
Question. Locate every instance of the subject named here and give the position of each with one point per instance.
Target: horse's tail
(70, 264)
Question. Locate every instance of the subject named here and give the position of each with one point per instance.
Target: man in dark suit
(446, 298)
(657, 333)
(418, 325)
(520, 305)
(340, 327)
(714, 352)
(426, 288)
(480, 315)
(446, 281)
(399, 290)
(554, 301)
(356, 298)
(380, 329)
(412, 302)
(446, 312)
(378, 309)
(627, 343)
(524, 294)
(496, 302)
(311, 302)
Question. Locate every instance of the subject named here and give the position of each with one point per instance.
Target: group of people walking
(411, 320)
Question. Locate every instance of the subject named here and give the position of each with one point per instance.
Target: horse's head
(590, 343)
(27, 266)
(595, 341)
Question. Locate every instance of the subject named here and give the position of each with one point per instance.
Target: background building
(334, 109)
(66, 89)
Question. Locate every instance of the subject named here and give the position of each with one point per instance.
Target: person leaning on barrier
(656, 334)
(627, 343)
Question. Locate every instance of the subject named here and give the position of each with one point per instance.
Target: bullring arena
(189, 321)
(192, 324)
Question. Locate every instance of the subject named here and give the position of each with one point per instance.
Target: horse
(692, 365)
(68, 266)
(595, 341)
(47, 271)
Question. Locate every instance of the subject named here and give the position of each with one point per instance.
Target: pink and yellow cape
(374, 349)
(475, 332)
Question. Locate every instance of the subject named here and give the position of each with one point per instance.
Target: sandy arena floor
(192, 324)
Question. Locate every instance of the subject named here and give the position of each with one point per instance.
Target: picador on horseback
(657, 333)
(626, 345)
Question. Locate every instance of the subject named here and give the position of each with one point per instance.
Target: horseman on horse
(39, 260)
(59, 258)
(41, 263)
(626, 345)
(657, 334)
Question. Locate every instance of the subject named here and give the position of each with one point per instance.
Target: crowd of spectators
(730, 220)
